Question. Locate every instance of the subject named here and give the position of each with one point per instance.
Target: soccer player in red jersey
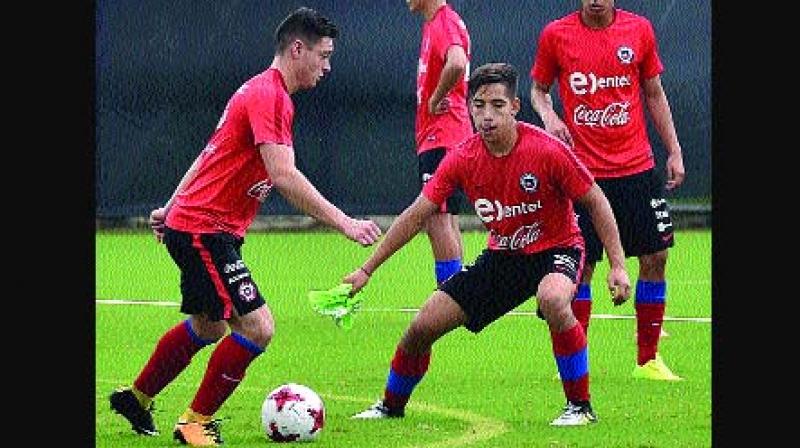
(606, 62)
(442, 119)
(204, 223)
(522, 182)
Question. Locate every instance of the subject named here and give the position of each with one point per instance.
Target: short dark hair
(305, 24)
(492, 73)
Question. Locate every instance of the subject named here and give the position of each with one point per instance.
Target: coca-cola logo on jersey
(521, 237)
(615, 114)
(260, 190)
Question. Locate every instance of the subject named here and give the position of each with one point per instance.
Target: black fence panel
(165, 69)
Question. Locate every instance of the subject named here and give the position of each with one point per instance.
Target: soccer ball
(292, 413)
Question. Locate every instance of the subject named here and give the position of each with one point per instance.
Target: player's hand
(439, 107)
(619, 285)
(362, 231)
(675, 171)
(358, 279)
(157, 219)
(559, 129)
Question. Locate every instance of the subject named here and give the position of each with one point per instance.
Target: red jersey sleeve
(271, 114)
(444, 180)
(576, 180)
(651, 62)
(448, 34)
(545, 66)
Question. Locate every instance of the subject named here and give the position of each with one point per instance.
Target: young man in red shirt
(606, 62)
(522, 182)
(203, 227)
(442, 119)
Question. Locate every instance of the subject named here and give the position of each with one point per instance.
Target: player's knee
(207, 330)
(264, 333)
(554, 305)
(258, 327)
(259, 338)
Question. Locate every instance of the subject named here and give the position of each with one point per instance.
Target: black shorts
(498, 281)
(214, 279)
(428, 162)
(642, 214)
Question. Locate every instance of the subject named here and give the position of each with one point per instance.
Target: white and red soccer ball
(292, 413)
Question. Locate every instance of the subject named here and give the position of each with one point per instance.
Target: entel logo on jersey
(260, 190)
(489, 211)
(582, 83)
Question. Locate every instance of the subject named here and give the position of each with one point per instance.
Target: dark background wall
(165, 69)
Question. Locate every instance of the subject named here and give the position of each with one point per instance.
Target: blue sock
(445, 269)
(584, 292)
(650, 292)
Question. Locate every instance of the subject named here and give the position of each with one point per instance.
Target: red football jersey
(451, 128)
(232, 181)
(599, 74)
(523, 198)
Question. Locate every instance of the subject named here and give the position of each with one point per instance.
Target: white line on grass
(134, 302)
(480, 427)
(412, 310)
(533, 313)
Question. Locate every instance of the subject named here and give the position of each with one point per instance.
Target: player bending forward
(522, 182)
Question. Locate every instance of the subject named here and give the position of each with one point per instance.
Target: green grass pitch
(494, 389)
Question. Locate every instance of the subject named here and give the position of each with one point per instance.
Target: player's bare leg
(439, 315)
(570, 348)
(250, 334)
(171, 355)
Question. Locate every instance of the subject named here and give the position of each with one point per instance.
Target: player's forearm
(301, 193)
(451, 74)
(660, 112)
(607, 231)
(542, 103)
(402, 230)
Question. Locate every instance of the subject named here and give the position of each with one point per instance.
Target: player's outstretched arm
(403, 228)
(301, 193)
(606, 227)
